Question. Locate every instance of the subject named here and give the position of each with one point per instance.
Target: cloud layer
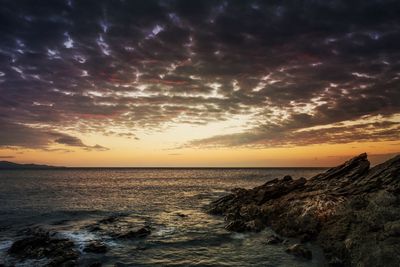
(294, 66)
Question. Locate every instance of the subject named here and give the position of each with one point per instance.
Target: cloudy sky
(199, 83)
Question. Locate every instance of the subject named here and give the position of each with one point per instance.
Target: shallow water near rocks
(69, 202)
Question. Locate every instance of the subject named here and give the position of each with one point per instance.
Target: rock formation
(352, 211)
(41, 244)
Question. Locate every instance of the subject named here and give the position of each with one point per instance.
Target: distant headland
(8, 165)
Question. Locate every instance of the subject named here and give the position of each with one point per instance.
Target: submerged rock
(182, 215)
(141, 233)
(94, 228)
(352, 211)
(273, 240)
(110, 219)
(141, 246)
(300, 251)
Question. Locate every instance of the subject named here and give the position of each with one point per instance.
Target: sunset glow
(205, 83)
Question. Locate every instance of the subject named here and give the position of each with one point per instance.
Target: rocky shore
(38, 246)
(352, 211)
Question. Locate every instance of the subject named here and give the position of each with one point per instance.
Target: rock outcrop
(352, 210)
(41, 244)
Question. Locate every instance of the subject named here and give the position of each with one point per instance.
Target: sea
(169, 200)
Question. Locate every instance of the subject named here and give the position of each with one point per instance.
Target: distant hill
(7, 165)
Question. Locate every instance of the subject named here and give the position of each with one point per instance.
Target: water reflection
(70, 202)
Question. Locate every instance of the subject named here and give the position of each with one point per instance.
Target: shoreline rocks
(132, 234)
(53, 249)
(41, 244)
(352, 211)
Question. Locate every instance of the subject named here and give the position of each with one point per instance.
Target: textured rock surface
(95, 247)
(351, 210)
(40, 244)
(140, 233)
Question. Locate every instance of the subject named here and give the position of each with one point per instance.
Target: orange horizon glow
(308, 156)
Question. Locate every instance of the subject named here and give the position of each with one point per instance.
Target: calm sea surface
(171, 201)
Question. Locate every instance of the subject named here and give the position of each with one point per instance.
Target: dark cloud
(18, 135)
(279, 136)
(74, 141)
(292, 65)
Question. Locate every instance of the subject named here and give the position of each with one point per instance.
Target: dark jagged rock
(181, 215)
(41, 244)
(140, 233)
(273, 240)
(300, 251)
(236, 226)
(95, 247)
(351, 210)
(110, 219)
(94, 228)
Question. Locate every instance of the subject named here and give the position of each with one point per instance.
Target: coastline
(352, 211)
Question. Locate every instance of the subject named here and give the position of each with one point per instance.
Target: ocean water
(171, 201)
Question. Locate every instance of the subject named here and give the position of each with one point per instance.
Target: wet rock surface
(41, 244)
(140, 233)
(95, 247)
(51, 248)
(299, 251)
(273, 240)
(119, 227)
(352, 211)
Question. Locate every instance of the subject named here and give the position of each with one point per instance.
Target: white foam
(4, 245)
(80, 238)
(31, 262)
(164, 231)
(219, 190)
(239, 236)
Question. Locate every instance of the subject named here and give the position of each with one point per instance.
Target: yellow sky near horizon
(304, 156)
(171, 146)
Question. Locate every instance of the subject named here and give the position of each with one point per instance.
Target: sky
(199, 83)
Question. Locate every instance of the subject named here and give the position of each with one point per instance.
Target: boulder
(181, 215)
(273, 240)
(95, 247)
(140, 233)
(287, 178)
